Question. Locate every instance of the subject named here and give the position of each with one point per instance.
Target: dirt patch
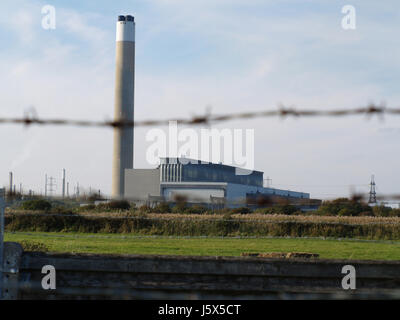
(281, 255)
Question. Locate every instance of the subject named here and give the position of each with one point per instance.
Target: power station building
(197, 182)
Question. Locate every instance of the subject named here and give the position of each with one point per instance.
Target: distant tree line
(337, 207)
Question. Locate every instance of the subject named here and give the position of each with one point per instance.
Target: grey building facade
(198, 182)
(190, 170)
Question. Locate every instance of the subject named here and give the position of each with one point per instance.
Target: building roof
(185, 161)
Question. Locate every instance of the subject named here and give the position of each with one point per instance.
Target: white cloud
(81, 26)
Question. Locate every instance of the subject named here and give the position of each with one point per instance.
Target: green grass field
(118, 244)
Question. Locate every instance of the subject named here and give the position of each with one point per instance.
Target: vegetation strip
(327, 249)
(201, 226)
(114, 236)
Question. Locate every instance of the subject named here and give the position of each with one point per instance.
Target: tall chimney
(63, 183)
(123, 103)
(11, 183)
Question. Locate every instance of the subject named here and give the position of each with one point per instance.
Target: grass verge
(211, 246)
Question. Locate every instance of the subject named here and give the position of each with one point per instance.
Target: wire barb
(282, 112)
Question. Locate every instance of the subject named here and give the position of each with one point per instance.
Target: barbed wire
(208, 118)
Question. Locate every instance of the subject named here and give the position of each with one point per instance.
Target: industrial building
(197, 182)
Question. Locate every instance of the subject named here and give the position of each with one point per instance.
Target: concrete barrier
(88, 276)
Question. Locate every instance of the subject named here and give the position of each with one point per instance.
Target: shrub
(395, 213)
(366, 214)
(29, 245)
(347, 212)
(265, 210)
(287, 209)
(145, 209)
(85, 208)
(61, 210)
(179, 208)
(343, 207)
(282, 209)
(196, 209)
(223, 211)
(381, 211)
(227, 216)
(94, 197)
(180, 205)
(114, 205)
(119, 204)
(162, 208)
(39, 204)
(241, 210)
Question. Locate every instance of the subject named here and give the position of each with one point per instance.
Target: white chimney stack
(11, 182)
(124, 102)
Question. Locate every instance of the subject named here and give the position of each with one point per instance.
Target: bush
(343, 207)
(85, 208)
(179, 208)
(227, 216)
(241, 210)
(119, 204)
(288, 209)
(39, 204)
(265, 210)
(395, 213)
(366, 214)
(29, 245)
(180, 205)
(196, 209)
(283, 209)
(381, 211)
(162, 208)
(113, 205)
(145, 209)
(347, 212)
(61, 210)
(94, 197)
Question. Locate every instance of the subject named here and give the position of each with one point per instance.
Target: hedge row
(199, 227)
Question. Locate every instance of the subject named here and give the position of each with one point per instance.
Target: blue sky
(230, 55)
